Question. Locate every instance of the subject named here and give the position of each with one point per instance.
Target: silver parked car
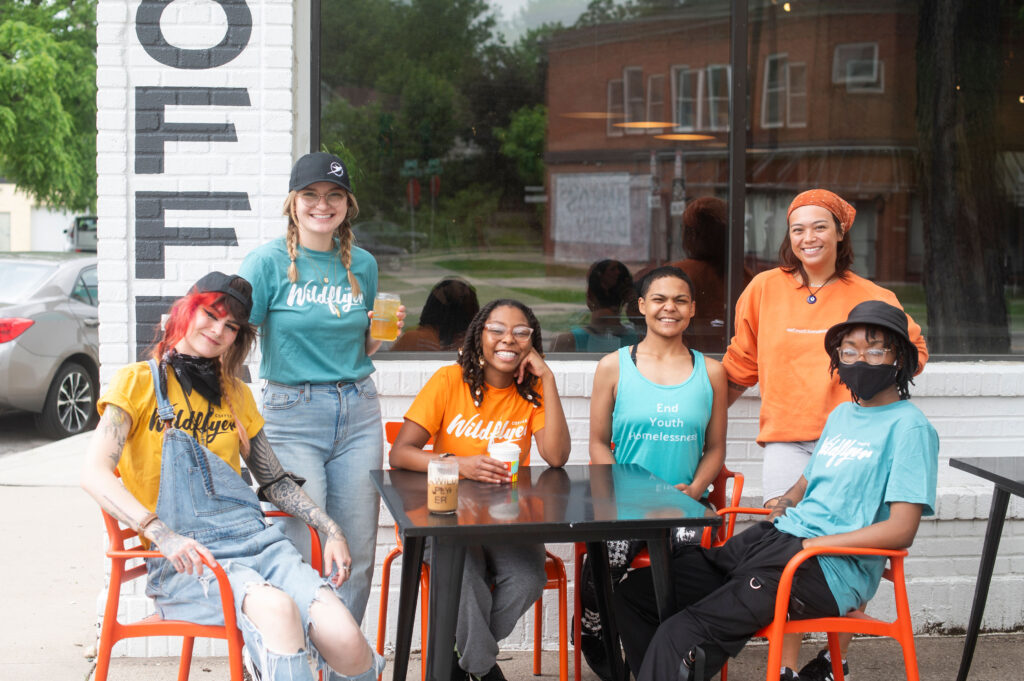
(49, 350)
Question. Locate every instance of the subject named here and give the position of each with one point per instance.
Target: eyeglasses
(871, 355)
(311, 198)
(520, 333)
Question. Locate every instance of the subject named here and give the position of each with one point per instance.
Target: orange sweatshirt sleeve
(741, 358)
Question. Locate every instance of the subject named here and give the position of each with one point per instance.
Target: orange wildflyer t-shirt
(780, 345)
(444, 407)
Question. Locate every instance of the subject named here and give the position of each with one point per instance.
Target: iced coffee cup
(443, 485)
(508, 454)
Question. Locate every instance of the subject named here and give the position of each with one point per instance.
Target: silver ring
(347, 568)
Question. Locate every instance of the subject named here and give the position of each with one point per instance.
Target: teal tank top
(661, 427)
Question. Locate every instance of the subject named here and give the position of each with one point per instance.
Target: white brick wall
(978, 408)
(254, 167)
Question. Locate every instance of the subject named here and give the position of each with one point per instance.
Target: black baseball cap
(218, 282)
(874, 313)
(319, 167)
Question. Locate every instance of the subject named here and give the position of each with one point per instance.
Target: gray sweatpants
(486, 614)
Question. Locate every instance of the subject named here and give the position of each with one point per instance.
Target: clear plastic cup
(384, 323)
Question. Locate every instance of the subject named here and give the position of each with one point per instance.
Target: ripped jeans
(202, 497)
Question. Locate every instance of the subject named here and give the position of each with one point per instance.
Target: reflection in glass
(513, 143)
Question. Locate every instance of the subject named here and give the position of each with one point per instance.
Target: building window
(685, 89)
(719, 81)
(862, 86)
(855, 63)
(773, 99)
(633, 97)
(796, 111)
(656, 101)
(615, 114)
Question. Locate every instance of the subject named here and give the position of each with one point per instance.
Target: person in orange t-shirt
(501, 389)
(781, 319)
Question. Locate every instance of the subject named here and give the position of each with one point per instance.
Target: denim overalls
(202, 497)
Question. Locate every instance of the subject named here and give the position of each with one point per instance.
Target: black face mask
(867, 380)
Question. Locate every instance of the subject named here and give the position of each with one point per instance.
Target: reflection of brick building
(831, 104)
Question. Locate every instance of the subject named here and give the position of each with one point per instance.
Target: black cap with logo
(319, 167)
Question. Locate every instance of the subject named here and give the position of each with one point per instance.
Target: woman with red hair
(175, 428)
(781, 319)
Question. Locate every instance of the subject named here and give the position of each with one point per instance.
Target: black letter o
(147, 28)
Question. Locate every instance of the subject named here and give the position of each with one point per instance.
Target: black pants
(722, 597)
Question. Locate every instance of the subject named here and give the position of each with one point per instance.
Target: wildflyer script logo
(839, 450)
(337, 169)
(204, 426)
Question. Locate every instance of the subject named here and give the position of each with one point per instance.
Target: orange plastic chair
(856, 622)
(113, 631)
(711, 537)
(553, 566)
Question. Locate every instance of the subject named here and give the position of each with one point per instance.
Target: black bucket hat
(218, 282)
(875, 313)
(319, 167)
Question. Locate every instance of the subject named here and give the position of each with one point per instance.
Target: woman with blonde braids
(313, 292)
(500, 389)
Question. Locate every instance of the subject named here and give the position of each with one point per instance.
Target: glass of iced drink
(384, 323)
(443, 485)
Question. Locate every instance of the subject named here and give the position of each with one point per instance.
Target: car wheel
(393, 262)
(70, 406)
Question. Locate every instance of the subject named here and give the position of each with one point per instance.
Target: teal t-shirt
(866, 458)
(661, 427)
(311, 331)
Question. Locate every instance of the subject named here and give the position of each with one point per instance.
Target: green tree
(523, 142)
(48, 100)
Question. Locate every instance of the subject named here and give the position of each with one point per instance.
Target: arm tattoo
(122, 514)
(116, 424)
(262, 461)
(283, 491)
(737, 387)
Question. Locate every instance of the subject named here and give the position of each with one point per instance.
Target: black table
(1007, 474)
(585, 503)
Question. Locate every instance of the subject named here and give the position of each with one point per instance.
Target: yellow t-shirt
(132, 391)
(444, 407)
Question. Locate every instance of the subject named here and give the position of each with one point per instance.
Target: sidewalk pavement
(52, 575)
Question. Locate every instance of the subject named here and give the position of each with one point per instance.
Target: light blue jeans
(331, 435)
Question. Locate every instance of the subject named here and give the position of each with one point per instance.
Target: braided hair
(471, 357)
(903, 350)
(343, 234)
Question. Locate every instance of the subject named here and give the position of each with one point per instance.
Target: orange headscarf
(833, 203)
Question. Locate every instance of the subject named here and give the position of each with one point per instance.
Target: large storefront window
(549, 151)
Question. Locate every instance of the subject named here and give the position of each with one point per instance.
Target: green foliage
(48, 100)
(464, 219)
(417, 80)
(523, 142)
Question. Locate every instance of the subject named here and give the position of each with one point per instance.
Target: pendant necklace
(320, 273)
(813, 297)
(327, 280)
